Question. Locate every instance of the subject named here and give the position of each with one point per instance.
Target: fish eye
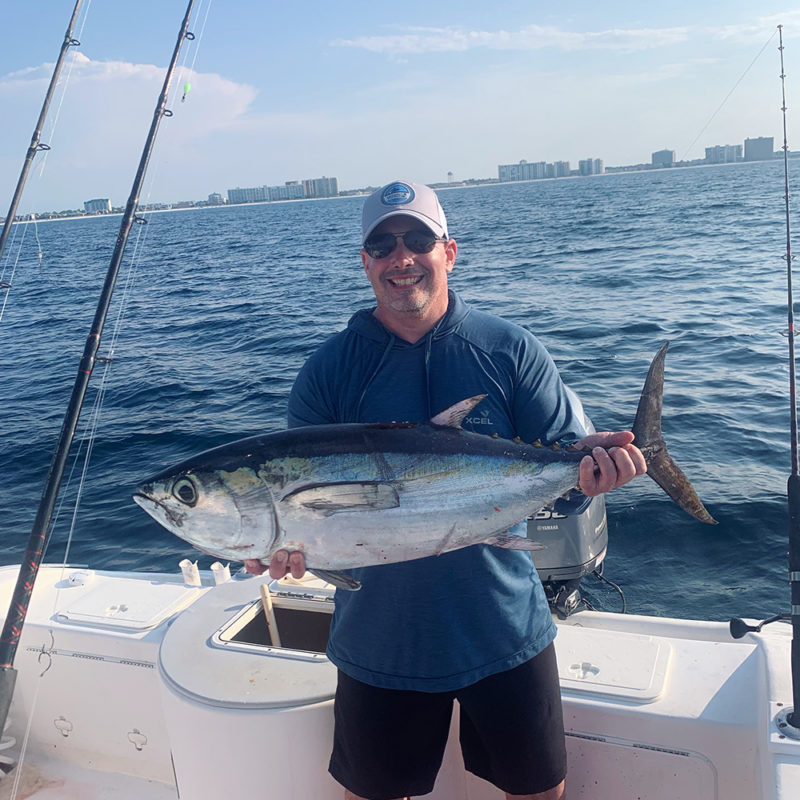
(184, 490)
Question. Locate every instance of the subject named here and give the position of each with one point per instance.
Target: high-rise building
(723, 154)
(254, 194)
(760, 149)
(591, 166)
(100, 205)
(663, 158)
(291, 190)
(515, 172)
(532, 170)
(321, 187)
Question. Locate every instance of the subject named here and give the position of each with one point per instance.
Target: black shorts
(389, 743)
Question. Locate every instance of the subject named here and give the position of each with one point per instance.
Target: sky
(370, 91)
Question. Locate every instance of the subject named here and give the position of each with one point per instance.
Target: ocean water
(216, 309)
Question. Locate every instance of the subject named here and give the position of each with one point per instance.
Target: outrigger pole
(35, 146)
(793, 483)
(18, 608)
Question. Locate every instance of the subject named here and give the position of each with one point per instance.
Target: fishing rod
(793, 483)
(788, 719)
(35, 145)
(20, 599)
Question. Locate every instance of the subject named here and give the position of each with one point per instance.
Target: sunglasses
(380, 245)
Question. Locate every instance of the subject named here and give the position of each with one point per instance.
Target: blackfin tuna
(356, 495)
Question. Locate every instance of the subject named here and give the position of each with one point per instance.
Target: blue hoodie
(444, 622)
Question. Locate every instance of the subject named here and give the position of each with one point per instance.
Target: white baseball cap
(407, 199)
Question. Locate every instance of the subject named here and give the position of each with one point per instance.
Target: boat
(154, 686)
(194, 684)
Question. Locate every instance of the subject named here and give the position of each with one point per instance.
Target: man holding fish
(471, 624)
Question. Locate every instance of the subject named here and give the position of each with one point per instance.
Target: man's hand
(282, 563)
(614, 461)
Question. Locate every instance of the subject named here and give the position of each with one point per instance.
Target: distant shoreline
(455, 185)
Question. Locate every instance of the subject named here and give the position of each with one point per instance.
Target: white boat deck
(122, 675)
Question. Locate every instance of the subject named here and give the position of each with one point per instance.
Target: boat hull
(182, 690)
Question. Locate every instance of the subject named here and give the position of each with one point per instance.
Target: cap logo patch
(397, 194)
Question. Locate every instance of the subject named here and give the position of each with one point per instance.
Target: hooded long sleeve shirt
(443, 622)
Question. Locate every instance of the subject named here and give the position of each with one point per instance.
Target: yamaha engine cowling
(574, 546)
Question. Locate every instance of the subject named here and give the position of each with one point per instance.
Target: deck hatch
(129, 605)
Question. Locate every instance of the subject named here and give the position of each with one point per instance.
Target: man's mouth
(409, 280)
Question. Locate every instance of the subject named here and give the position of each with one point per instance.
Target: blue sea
(216, 309)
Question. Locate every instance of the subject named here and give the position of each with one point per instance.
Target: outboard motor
(575, 546)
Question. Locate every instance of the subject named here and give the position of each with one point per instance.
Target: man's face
(408, 282)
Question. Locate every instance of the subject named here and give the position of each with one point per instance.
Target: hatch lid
(131, 605)
(626, 666)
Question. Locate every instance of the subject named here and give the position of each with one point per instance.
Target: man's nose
(401, 252)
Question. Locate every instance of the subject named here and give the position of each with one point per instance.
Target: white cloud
(99, 132)
(531, 37)
(762, 27)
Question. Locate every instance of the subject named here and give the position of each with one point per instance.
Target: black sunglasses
(380, 245)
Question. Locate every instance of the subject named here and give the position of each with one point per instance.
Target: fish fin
(650, 440)
(453, 417)
(512, 541)
(331, 498)
(669, 476)
(341, 580)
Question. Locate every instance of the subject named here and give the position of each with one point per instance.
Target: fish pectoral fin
(341, 580)
(510, 541)
(331, 498)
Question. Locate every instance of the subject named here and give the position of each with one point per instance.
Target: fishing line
(53, 124)
(36, 145)
(7, 285)
(86, 444)
(25, 740)
(38, 241)
(727, 96)
(179, 86)
(200, 35)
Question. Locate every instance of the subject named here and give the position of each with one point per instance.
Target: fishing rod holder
(786, 724)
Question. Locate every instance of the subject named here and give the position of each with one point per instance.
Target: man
(472, 624)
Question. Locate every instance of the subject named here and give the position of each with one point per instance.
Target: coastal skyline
(359, 93)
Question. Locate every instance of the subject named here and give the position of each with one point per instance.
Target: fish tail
(649, 439)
